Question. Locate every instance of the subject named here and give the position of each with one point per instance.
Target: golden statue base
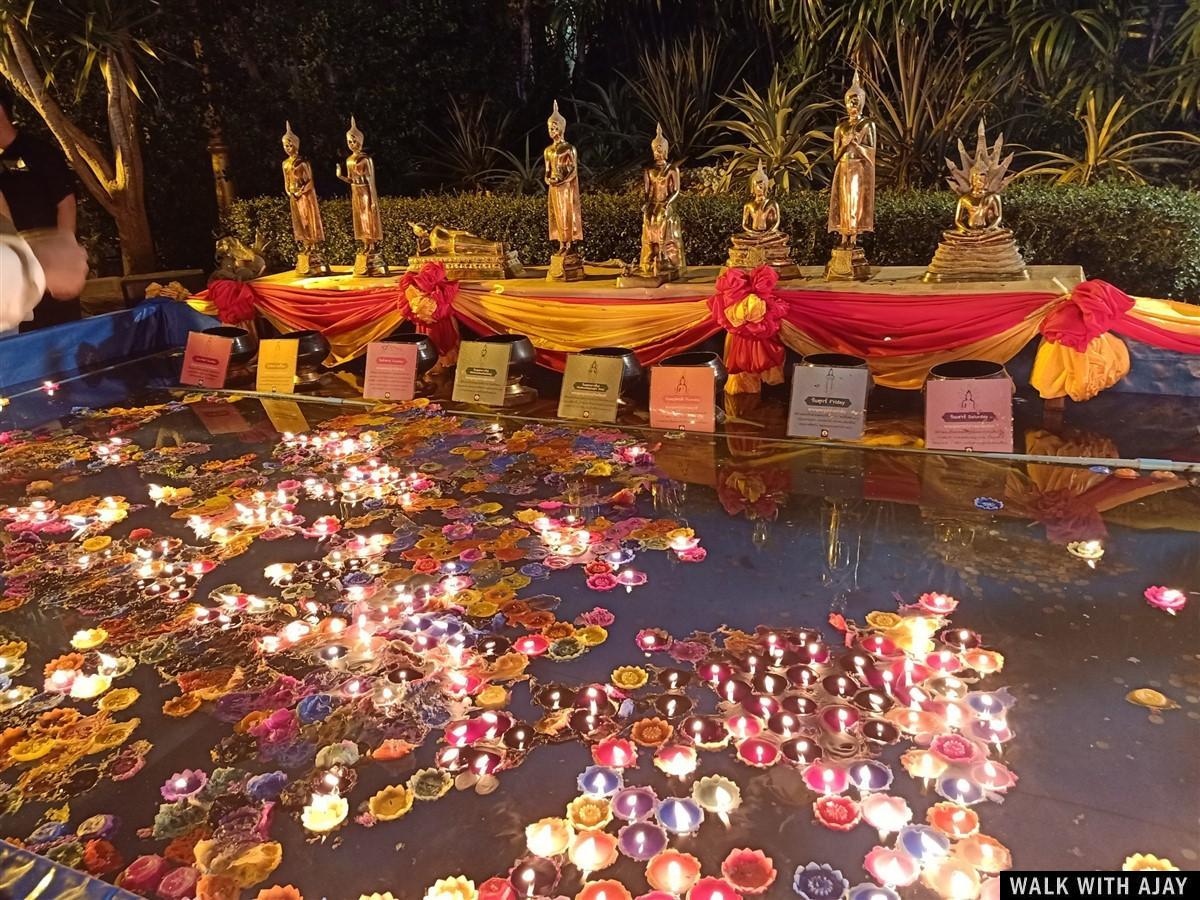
(565, 267)
(636, 278)
(311, 262)
(370, 265)
(471, 268)
(990, 255)
(776, 255)
(847, 264)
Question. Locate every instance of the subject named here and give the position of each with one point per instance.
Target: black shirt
(34, 179)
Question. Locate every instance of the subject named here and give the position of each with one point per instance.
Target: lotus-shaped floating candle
(983, 853)
(642, 840)
(183, 785)
(951, 879)
(713, 889)
(993, 776)
(922, 843)
(680, 815)
(607, 889)
(886, 814)
(677, 760)
(1169, 600)
(599, 781)
(894, 868)
(548, 837)
(673, 872)
(826, 779)
(758, 752)
(324, 812)
(749, 871)
(953, 820)
(454, 888)
(819, 882)
(837, 813)
(939, 604)
(869, 891)
(633, 803)
(717, 794)
(390, 803)
(89, 638)
(592, 851)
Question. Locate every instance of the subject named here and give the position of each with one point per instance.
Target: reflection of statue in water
(852, 194)
(364, 203)
(761, 242)
(978, 248)
(306, 212)
(563, 205)
(465, 255)
(662, 256)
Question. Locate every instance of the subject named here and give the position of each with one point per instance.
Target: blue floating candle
(680, 815)
(869, 891)
(959, 790)
(599, 781)
(923, 843)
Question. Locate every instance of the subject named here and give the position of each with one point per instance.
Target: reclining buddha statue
(979, 247)
(464, 255)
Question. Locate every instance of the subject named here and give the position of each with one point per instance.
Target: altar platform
(898, 323)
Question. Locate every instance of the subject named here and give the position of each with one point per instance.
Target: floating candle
(742, 725)
(548, 837)
(717, 794)
(868, 891)
(893, 868)
(749, 871)
(642, 840)
(676, 759)
(993, 776)
(713, 889)
(673, 872)
(592, 851)
(599, 781)
(633, 803)
(983, 853)
(951, 879)
(604, 890)
(885, 814)
(324, 812)
(870, 775)
(801, 750)
(825, 779)
(923, 843)
(680, 815)
(534, 876)
(955, 821)
(616, 753)
(758, 752)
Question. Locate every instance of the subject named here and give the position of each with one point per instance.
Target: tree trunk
(137, 244)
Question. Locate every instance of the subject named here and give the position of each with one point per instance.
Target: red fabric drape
(1092, 309)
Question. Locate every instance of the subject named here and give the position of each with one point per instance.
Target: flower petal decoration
(819, 881)
(589, 813)
(629, 678)
(651, 732)
(837, 813)
(390, 803)
(749, 871)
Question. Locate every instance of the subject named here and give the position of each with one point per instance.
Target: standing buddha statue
(979, 247)
(852, 194)
(563, 205)
(761, 241)
(306, 212)
(364, 206)
(662, 255)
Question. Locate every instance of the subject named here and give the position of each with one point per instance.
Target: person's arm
(66, 214)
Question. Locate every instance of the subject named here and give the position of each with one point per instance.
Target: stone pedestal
(847, 264)
(977, 256)
(370, 265)
(565, 267)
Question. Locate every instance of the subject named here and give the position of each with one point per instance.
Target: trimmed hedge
(1145, 240)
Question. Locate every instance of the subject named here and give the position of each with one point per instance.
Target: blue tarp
(26, 876)
(100, 341)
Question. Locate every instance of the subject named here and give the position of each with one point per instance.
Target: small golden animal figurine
(978, 248)
(564, 208)
(364, 205)
(662, 257)
(306, 211)
(852, 194)
(761, 242)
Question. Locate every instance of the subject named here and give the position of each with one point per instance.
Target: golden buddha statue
(306, 212)
(662, 256)
(364, 205)
(979, 247)
(564, 207)
(852, 194)
(761, 242)
(465, 255)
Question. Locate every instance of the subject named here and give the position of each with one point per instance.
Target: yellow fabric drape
(1173, 315)
(571, 327)
(909, 372)
(1059, 371)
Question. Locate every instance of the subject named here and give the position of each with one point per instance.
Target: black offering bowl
(245, 345)
(701, 358)
(521, 360)
(633, 375)
(427, 355)
(311, 350)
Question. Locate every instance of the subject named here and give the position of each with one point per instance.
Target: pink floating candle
(532, 645)
(748, 871)
(608, 889)
(742, 726)
(893, 868)
(878, 645)
(143, 875)
(1169, 600)
(940, 604)
(713, 889)
(758, 752)
(678, 760)
(673, 872)
(837, 813)
(886, 814)
(617, 753)
(993, 776)
(825, 779)
(839, 718)
(592, 851)
(944, 661)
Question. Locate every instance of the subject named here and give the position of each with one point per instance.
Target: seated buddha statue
(465, 255)
(761, 242)
(979, 247)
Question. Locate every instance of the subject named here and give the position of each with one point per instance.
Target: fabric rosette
(745, 304)
(1078, 357)
(426, 298)
(234, 300)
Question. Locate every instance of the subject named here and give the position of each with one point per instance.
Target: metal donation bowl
(311, 349)
(967, 368)
(701, 358)
(632, 372)
(833, 361)
(245, 345)
(427, 355)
